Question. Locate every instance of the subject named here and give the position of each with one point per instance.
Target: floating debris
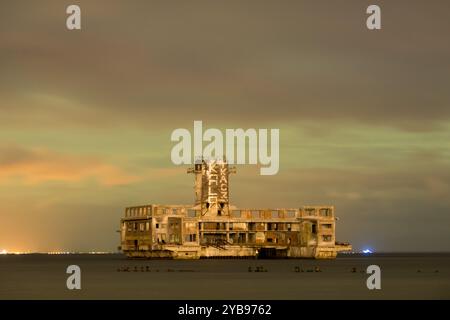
(257, 269)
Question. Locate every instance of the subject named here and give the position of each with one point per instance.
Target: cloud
(129, 65)
(363, 115)
(39, 165)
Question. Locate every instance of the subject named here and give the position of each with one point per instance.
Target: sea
(113, 276)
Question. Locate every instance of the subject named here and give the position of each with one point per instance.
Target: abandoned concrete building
(212, 228)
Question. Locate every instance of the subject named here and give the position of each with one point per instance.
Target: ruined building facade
(214, 228)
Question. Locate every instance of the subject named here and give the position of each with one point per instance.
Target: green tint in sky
(86, 116)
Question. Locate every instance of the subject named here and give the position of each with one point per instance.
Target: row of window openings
(258, 214)
(222, 226)
(217, 226)
(134, 226)
(239, 238)
(138, 211)
(324, 212)
(161, 238)
(254, 213)
(147, 210)
(235, 213)
(252, 226)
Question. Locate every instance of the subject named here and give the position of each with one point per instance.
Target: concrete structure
(213, 228)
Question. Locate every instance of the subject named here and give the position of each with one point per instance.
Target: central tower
(212, 186)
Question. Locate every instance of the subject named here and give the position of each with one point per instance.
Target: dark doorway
(272, 253)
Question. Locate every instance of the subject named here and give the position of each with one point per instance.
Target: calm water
(44, 277)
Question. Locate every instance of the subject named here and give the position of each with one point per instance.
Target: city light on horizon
(56, 252)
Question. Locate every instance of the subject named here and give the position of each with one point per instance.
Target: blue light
(367, 251)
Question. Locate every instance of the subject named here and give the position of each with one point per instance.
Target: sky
(86, 115)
